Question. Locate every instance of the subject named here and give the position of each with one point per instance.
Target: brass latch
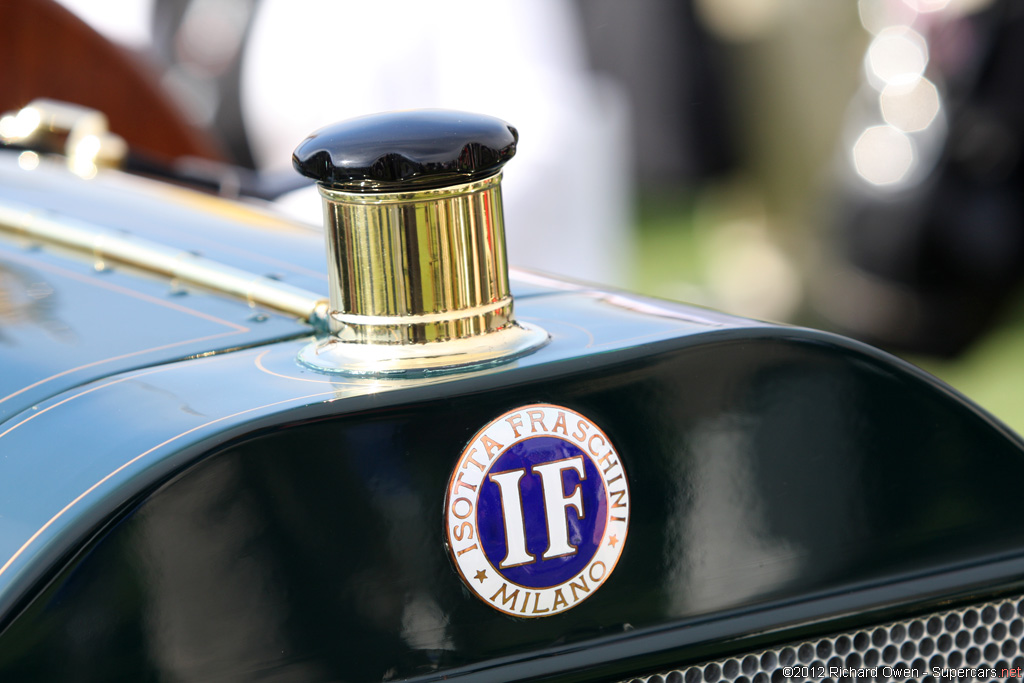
(79, 133)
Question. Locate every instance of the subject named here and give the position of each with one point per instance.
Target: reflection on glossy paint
(718, 530)
(27, 299)
(883, 155)
(194, 620)
(424, 625)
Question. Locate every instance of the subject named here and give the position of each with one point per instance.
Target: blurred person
(263, 73)
(928, 219)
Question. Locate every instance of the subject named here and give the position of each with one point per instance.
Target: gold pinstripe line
(236, 329)
(259, 365)
(83, 393)
(590, 335)
(134, 460)
(123, 290)
(121, 357)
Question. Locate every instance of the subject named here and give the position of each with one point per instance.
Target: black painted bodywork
(779, 477)
(181, 500)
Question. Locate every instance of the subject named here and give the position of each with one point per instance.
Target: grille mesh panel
(989, 635)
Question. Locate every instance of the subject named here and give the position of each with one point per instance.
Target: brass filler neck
(417, 267)
(418, 273)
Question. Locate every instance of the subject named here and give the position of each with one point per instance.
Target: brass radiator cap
(415, 238)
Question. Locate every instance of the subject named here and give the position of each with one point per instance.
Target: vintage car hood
(69, 317)
(181, 499)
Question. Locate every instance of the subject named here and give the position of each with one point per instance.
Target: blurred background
(853, 166)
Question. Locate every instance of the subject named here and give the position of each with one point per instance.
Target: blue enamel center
(584, 531)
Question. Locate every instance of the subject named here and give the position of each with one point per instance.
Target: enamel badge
(537, 511)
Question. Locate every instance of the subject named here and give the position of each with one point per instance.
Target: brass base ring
(334, 356)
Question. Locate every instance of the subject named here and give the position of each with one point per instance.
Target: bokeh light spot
(883, 155)
(897, 56)
(911, 108)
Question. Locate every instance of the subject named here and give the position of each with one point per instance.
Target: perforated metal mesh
(988, 638)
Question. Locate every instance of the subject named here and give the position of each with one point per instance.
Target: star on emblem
(481, 575)
(612, 541)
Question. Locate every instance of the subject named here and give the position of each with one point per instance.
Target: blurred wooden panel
(46, 51)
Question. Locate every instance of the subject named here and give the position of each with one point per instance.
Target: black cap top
(406, 150)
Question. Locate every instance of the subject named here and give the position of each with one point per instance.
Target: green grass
(667, 255)
(991, 373)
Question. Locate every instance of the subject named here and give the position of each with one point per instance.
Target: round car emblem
(537, 511)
